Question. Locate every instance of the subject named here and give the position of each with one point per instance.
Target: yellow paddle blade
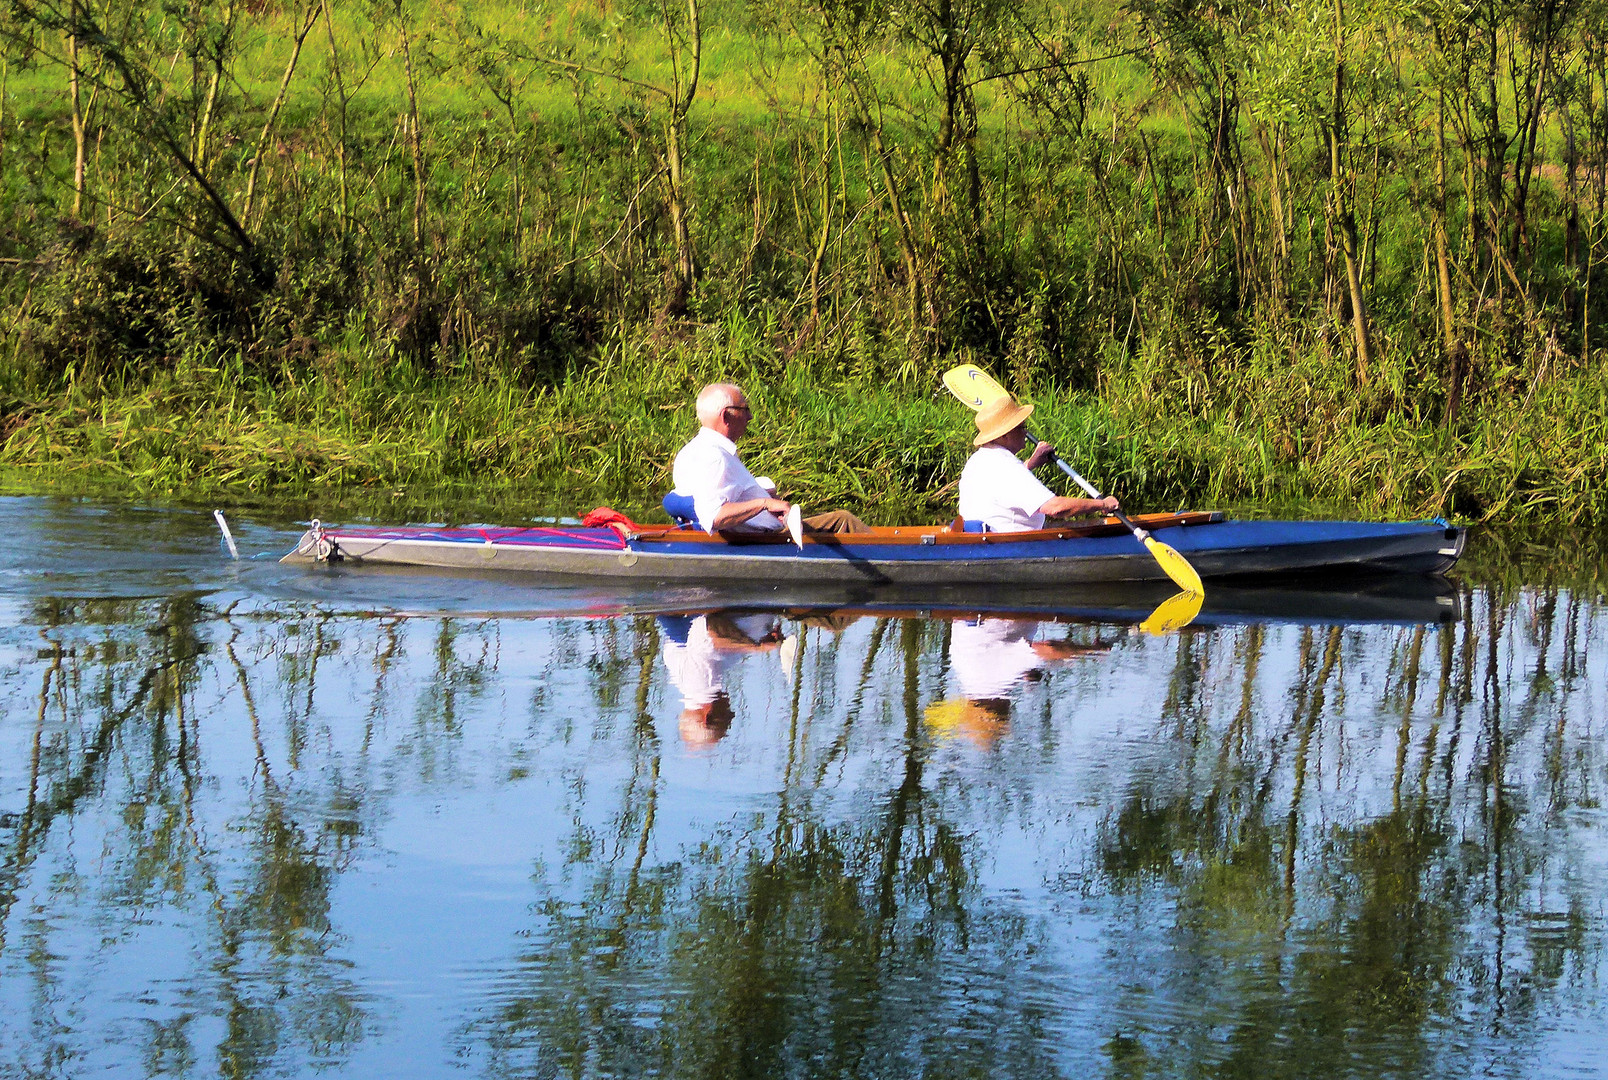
(1174, 613)
(973, 385)
(1176, 566)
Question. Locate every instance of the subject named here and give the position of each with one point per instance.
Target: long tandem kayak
(1217, 546)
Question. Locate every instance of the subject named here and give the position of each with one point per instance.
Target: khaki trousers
(836, 521)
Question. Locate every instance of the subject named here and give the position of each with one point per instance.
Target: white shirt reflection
(698, 651)
(989, 657)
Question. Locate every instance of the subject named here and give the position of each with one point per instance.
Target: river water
(262, 820)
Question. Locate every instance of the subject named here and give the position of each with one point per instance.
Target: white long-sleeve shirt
(709, 470)
(698, 666)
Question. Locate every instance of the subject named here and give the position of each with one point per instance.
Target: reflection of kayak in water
(1392, 598)
(1396, 599)
(1400, 599)
(1101, 551)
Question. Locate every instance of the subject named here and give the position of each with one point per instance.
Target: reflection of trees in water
(115, 837)
(1327, 844)
(785, 943)
(1305, 903)
(1308, 932)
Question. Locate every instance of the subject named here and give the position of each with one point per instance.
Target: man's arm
(735, 513)
(1065, 506)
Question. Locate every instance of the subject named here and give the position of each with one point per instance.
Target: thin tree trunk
(678, 204)
(1456, 351)
(307, 20)
(1525, 166)
(680, 225)
(341, 99)
(5, 82)
(203, 132)
(1496, 144)
(78, 117)
(415, 138)
(1279, 251)
(823, 235)
(1340, 198)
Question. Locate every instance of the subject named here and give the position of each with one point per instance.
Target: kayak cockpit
(952, 533)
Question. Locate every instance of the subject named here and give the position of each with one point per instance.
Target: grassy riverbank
(383, 440)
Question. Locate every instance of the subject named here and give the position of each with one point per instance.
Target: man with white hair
(726, 497)
(698, 654)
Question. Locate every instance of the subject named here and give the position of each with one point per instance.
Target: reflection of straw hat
(999, 417)
(980, 722)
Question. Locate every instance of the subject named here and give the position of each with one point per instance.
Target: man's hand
(1043, 452)
(734, 514)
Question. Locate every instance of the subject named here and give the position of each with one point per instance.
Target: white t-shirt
(999, 490)
(990, 657)
(708, 469)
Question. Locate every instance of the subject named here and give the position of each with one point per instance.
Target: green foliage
(1133, 216)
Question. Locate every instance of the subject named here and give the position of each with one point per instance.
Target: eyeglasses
(739, 408)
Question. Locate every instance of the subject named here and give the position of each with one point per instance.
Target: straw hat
(998, 418)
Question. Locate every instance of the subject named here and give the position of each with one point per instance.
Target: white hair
(716, 398)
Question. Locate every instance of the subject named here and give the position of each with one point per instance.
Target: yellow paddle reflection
(1173, 614)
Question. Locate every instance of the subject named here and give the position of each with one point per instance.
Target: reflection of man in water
(989, 658)
(697, 651)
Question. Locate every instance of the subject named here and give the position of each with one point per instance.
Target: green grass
(890, 451)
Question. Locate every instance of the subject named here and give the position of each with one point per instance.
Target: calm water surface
(258, 820)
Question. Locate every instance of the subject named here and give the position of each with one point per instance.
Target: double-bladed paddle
(974, 386)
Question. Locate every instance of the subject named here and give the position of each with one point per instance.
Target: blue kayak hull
(932, 555)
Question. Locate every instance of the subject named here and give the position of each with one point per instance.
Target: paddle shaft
(1090, 488)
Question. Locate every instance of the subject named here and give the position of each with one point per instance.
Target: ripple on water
(261, 818)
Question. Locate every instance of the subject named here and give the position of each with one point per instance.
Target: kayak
(1095, 551)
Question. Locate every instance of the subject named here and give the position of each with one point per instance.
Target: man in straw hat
(997, 489)
(725, 495)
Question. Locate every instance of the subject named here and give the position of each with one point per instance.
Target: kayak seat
(676, 628)
(967, 525)
(680, 509)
